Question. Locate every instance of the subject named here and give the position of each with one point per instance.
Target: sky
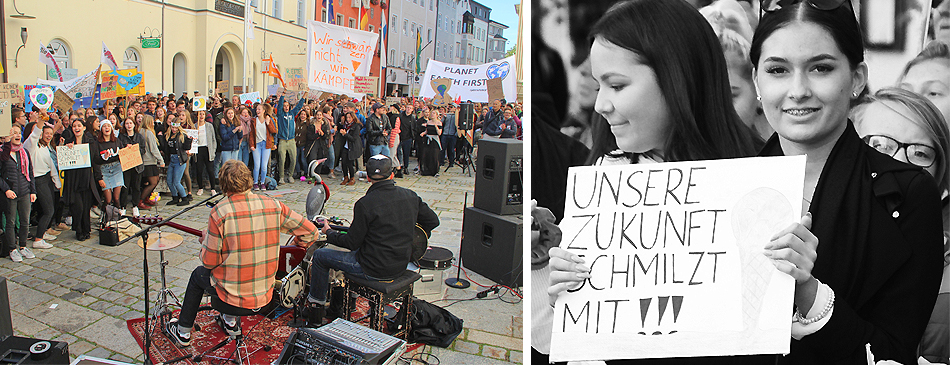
(503, 11)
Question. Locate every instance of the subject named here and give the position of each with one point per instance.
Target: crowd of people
(664, 81)
(186, 148)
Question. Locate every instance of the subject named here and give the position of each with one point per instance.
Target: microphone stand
(144, 234)
(457, 282)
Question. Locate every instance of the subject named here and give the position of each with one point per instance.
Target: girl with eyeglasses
(909, 128)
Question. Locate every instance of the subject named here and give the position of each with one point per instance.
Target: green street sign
(152, 43)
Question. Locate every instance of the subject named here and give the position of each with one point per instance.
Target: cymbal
(167, 241)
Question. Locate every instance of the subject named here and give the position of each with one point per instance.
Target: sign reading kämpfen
(676, 258)
(470, 82)
(336, 55)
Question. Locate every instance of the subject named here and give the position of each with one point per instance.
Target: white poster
(336, 55)
(675, 252)
(469, 82)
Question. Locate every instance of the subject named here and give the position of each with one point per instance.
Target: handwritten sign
(366, 84)
(12, 93)
(6, 117)
(675, 253)
(336, 55)
(392, 100)
(471, 82)
(495, 89)
(109, 85)
(193, 134)
(295, 79)
(222, 86)
(62, 101)
(126, 82)
(130, 156)
(199, 103)
(76, 157)
(250, 98)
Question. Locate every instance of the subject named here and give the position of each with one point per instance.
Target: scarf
(245, 126)
(24, 160)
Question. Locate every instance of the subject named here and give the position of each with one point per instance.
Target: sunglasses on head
(770, 6)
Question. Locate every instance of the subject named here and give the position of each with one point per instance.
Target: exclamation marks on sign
(662, 305)
(644, 308)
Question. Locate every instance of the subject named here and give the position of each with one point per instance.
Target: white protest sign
(470, 82)
(76, 157)
(675, 252)
(199, 103)
(193, 134)
(250, 98)
(336, 55)
(42, 97)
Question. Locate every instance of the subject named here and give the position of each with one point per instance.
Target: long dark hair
(680, 46)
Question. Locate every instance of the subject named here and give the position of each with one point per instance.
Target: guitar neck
(156, 221)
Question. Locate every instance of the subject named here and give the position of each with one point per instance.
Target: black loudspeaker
(498, 183)
(6, 321)
(23, 350)
(492, 246)
(466, 116)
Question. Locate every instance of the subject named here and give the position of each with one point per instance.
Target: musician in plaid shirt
(239, 257)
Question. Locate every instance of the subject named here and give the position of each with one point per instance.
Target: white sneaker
(49, 237)
(41, 244)
(27, 253)
(121, 211)
(201, 192)
(15, 256)
(213, 192)
(69, 221)
(135, 211)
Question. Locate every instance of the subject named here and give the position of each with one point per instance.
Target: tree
(511, 52)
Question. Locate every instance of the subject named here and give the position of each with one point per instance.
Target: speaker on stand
(499, 176)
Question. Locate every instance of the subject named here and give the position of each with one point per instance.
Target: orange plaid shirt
(242, 245)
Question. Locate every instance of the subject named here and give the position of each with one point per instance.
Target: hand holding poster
(471, 82)
(336, 55)
(76, 157)
(675, 252)
(130, 156)
(193, 134)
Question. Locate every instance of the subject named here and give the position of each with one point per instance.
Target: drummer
(380, 238)
(239, 256)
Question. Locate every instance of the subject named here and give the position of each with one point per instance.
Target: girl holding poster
(106, 155)
(80, 188)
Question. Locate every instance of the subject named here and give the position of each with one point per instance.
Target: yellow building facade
(202, 41)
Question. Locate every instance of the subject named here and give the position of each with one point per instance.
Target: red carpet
(258, 331)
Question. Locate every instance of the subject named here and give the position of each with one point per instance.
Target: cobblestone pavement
(82, 293)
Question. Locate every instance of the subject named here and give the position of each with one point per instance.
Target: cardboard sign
(6, 117)
(250, 98)
(442, 95)
(366, 84)
(337, 54)
(675, 252)
(471, 82)
(199, 103)
(42, 97)
(392, 100)
(76, 157)
(495, 89)
(109, 85)
(130, 156)
(62, 101)
(12, 93)
(222, 86)
(122, 83)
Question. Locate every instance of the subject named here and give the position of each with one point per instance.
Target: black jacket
(375, 126)
(406, 124)
(354, 142)
(13, 178)
(181, 151)
(382, 229)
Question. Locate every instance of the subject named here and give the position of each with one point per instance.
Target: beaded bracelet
(824, 312)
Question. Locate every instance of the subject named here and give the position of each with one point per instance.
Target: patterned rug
(258, 331)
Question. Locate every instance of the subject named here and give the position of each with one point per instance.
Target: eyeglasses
(917, 154)
(769, 6)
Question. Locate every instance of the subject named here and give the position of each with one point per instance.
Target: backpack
(433, 325)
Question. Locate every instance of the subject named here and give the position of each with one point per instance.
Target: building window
(392, 57)
(130, 59)
(371, 29)
(405, 27)
(339, 19)
(352, 23)
(430, 4)
(429, 36)
(414, 29)
(404, 59)
(372, 13)
(394, 23)
(323, 15)
(301, 12)
(61, 55)
(277, 9)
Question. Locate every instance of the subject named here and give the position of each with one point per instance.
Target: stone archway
(228, 66)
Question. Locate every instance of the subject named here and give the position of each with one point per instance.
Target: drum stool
(240, 348)
(379, 294)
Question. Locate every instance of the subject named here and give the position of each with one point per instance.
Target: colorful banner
(130, 82)
(336, 55)
(676, 258)
(76, 157)
(77, 87)
(470, 82)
